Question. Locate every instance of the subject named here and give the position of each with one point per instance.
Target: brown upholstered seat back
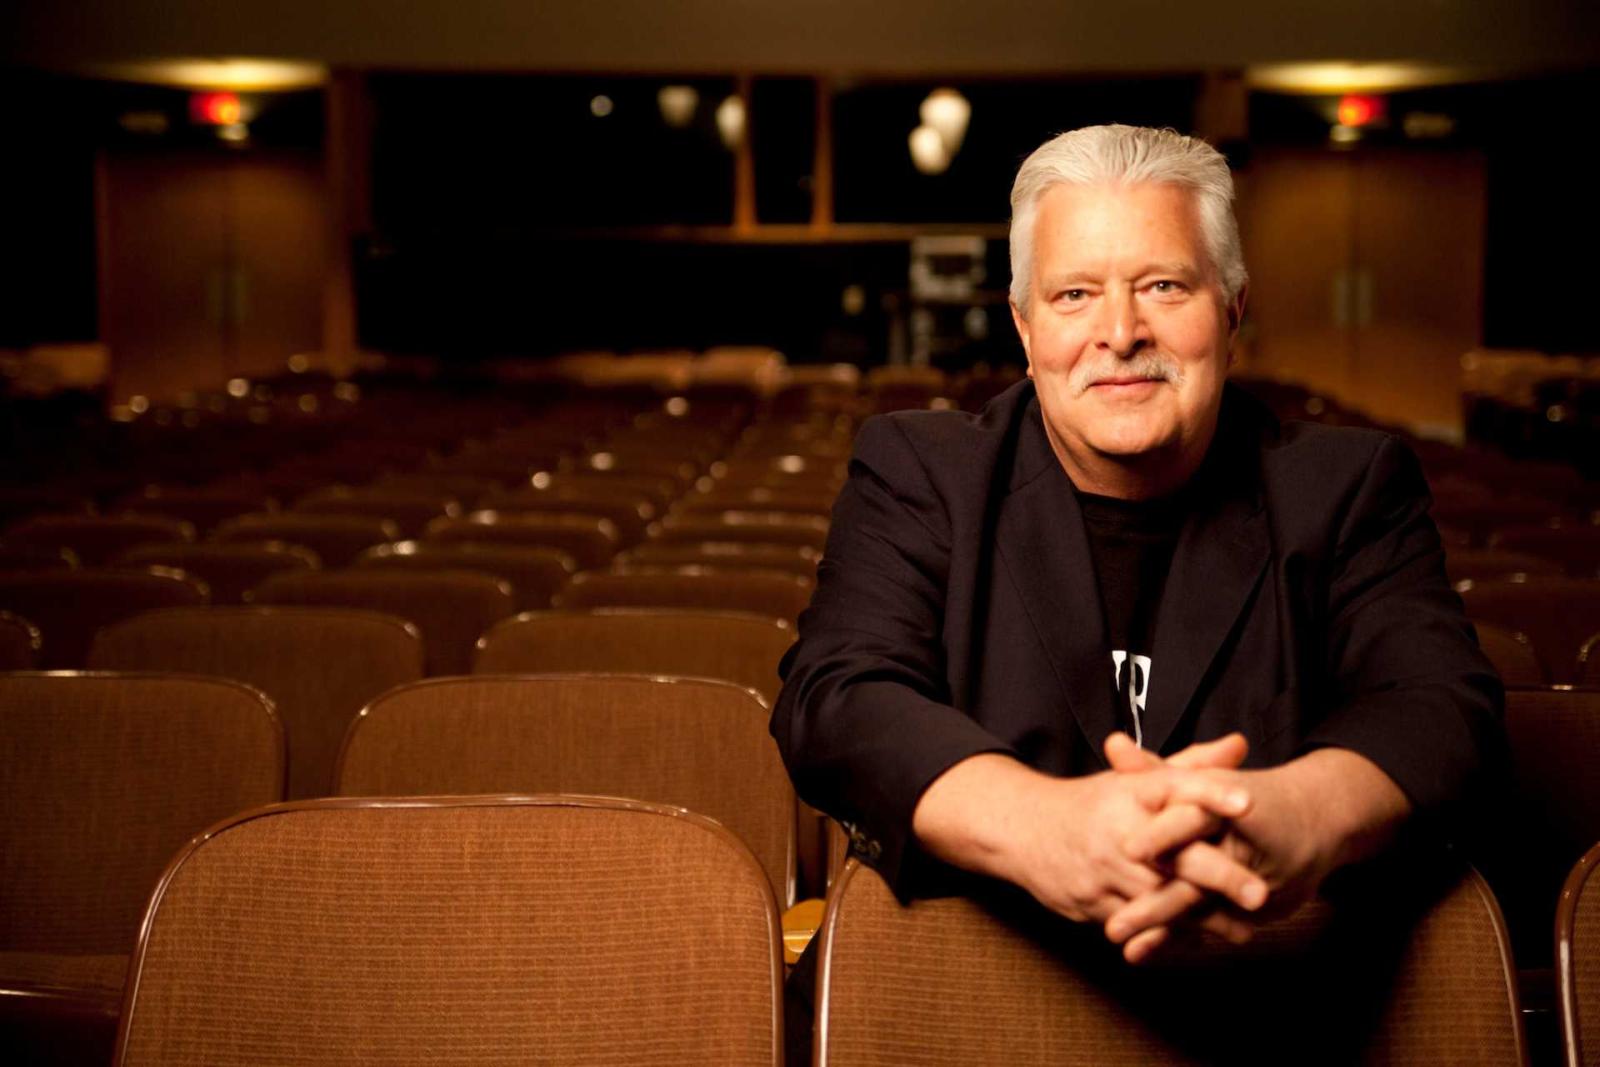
(452, 609)
(95, 539)
(535, 573)
(410, 510)
(726, 555)
(319, 665)
(1558, 614)
(102, 779)
(19, 643)
(336, 539)
(1511, 653)
(591, 540)
(761, 592)
(774, 527)
(951, 981)
(229, 571)
(474, 931)
(1555, 811)
(738, 648)
(698, 744)
(70, 606)
(1488, 564)
(1578, 961)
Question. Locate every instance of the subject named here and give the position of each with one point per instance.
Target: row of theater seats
(590, 505)
(342, 930)
(625, 448)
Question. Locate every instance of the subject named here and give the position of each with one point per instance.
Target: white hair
(1124, 155)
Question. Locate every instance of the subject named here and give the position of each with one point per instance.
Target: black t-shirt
(1131, 542)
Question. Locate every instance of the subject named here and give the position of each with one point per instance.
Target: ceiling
(841, 37)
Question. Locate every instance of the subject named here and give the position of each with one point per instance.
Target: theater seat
(701, 745)
(477, 930)
(1578, 962)
(104, 778)
(69, 607)
(19, 643)
(1415, 971)
(319, 665)
(452, 609)
(731, 646)
(1557, 614)
(771, 593)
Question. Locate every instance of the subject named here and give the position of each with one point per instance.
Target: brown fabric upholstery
(1480, 564)
(591, 540)
(409, 510)
(95, 539)
(758, 498)
(15, 557)
(954, 982)
(535, 574)
(467, 488)
(102, 778)
(19, 643)
(69, 607)
(734, 647)
(643, 462)
(725, 555)
(452, 609)
(320, 666)
(1481, 516)
(1511, 653)
(506, 468)
(229, 571)
(204, 508)
(659, 492)
(474, 932)
(1557, 614)
(770, 593)
(630, 514)
(20, 501)
(776, 527)
(1573, 548)
(1555, 815)
(701, 745)
(1578, 962)
(336, 539)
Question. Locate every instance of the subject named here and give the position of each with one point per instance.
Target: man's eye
(1073, 295)
(1165, 286)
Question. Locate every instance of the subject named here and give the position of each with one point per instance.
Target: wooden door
(210, 267)
(1418, 307)
(1367, 276)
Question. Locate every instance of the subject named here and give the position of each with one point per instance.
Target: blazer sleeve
(1412, 691)
(864, 720)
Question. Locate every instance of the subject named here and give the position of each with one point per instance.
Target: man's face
(1128, 332)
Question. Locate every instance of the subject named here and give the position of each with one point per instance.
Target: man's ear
(1235, 320)
(1236, 311)
(1022, 332)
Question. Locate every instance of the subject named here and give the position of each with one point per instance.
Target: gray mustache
(1151, 365)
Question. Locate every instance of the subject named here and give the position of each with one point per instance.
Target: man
(1121, 639)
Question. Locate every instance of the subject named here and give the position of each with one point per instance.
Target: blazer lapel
(1220, 557)
(1040, 540)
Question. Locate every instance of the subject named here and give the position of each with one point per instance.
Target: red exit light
(1357, 109)
(216, 109)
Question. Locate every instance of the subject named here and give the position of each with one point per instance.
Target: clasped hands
(1155, 846)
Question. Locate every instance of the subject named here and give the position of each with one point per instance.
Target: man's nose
(1122, 329)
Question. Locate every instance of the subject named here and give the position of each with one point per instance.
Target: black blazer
(957, 612)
